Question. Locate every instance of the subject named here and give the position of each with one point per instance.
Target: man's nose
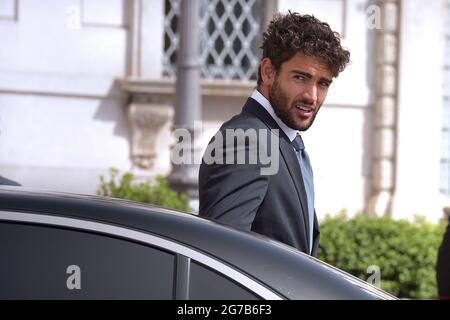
(310, 93)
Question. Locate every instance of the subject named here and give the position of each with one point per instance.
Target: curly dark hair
(292, 33)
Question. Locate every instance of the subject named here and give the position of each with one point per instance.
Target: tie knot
(298, 143)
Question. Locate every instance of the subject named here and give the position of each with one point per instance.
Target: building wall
(445, 145)
(62, 118)
(420, 110)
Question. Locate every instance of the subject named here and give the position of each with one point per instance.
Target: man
(301, 55)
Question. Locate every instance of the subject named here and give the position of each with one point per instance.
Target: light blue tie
(307, 173)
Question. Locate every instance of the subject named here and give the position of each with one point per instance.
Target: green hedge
(158, 193)
(404, 251)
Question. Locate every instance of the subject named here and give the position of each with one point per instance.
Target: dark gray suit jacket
(4, 181)
(239, 195)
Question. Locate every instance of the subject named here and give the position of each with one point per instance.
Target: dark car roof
(254, 254)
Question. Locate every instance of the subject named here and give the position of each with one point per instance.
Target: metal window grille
(229, 38)
(445, 144)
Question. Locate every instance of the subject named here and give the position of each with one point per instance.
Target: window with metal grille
(230, 32)
(445, 144)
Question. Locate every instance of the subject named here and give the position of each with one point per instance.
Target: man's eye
(300, 77)
(324, 84)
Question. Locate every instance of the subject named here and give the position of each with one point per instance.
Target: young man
(301, 56)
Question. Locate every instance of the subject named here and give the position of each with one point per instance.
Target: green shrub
(158, 193)
(404, 251)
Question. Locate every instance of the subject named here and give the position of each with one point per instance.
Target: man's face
(299, 89)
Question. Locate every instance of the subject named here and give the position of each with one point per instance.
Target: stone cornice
(166, 87)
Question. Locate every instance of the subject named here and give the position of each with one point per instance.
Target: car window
(40, 262)
(208, 284)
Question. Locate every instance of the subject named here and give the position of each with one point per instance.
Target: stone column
(386, 104)
(134, 38)
(146, 29)
(419, 111)
(184, 176)
(148, 114)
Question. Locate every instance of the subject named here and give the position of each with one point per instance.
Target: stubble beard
(279, 101)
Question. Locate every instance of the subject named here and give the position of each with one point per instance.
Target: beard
(280, 103)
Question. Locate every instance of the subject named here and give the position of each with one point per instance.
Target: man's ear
(268, 71)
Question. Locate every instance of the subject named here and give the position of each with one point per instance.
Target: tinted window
(49, 263)
(208, 284)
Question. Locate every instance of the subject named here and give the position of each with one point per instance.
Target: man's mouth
(304, 109)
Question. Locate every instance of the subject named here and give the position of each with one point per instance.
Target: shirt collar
(290, 133)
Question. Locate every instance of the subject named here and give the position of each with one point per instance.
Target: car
(67, 246)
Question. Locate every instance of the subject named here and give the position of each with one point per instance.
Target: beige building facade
(89, 85)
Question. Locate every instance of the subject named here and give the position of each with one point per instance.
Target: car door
(48, 262)
(53, 257)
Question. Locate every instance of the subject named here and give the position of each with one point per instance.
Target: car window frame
(182, 252)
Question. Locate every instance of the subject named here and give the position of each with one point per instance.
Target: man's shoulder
(243, 121)
(246, 119)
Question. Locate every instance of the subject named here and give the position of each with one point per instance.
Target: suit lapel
(288, 155)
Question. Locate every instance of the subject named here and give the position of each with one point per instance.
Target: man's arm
(231, 193)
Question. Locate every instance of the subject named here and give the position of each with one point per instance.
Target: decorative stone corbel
(146, 121)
